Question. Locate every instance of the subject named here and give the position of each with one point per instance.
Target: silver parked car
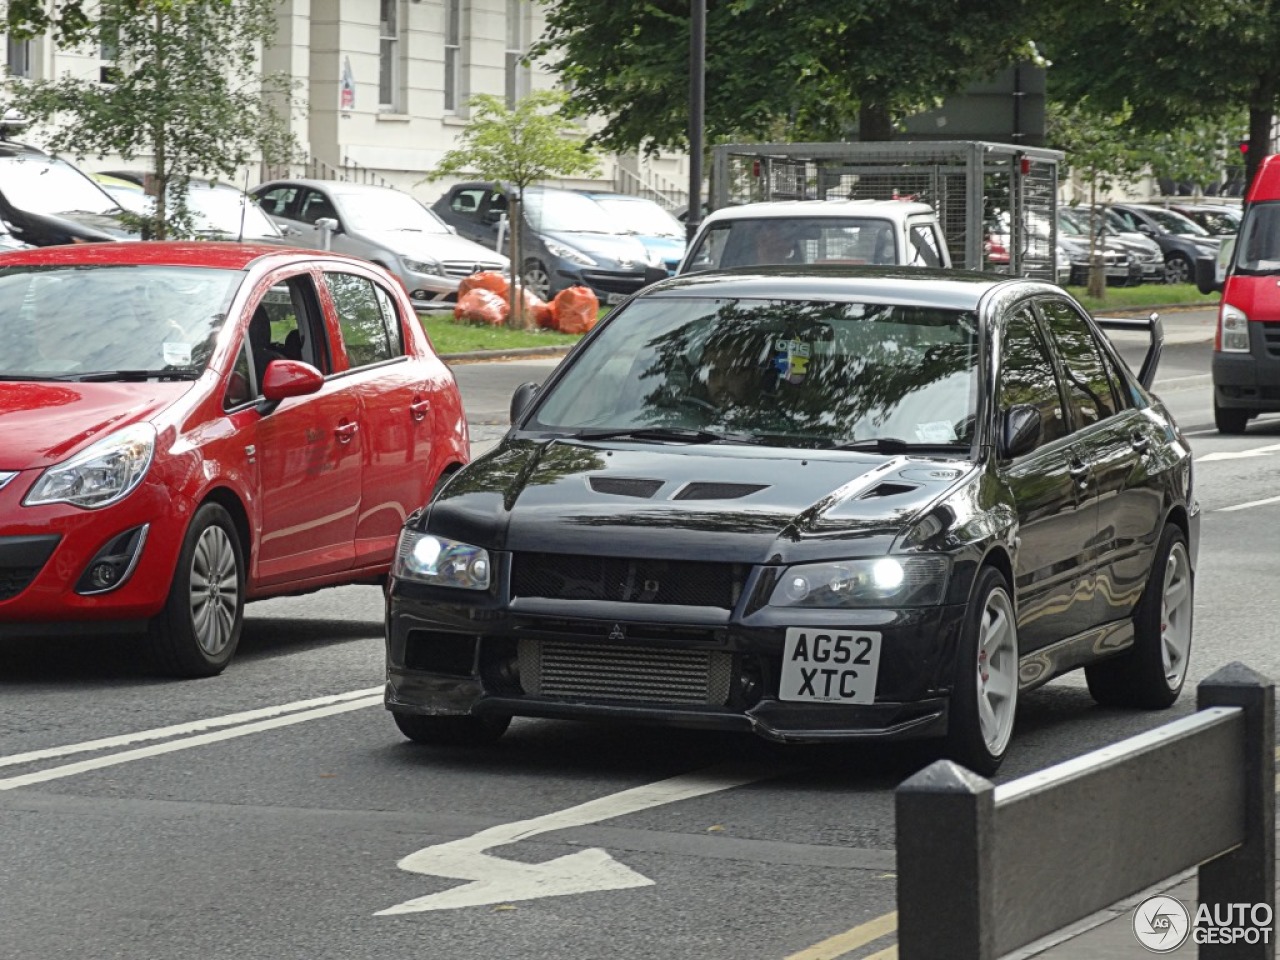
(386, 226)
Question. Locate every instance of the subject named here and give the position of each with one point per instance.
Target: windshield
(74, 321)
(792, 373)
(1258, 249)
(768, 241)
(1177, 224)
(559, 211)
(374, 211)
(46, 185)
(642, 217)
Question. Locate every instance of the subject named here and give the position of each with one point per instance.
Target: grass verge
(1145, 295)
(449, 337)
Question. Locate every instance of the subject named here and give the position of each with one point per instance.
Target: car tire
(980, 725)
(1150, 674)
(464, 731)
(197, 632)
(1178, 268)
(1230, 420)
(537, 279)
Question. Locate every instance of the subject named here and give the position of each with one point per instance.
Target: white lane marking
(178, 729)
(1199, 433)
(200, 740)
(1239, 454)
(494, 880)
(1246, 506)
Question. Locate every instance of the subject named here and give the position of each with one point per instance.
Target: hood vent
(625, 486)
(887, 489)
(718, 491)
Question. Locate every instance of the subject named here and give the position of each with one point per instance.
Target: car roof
(169, 253)
(922, 286)
(798, 209)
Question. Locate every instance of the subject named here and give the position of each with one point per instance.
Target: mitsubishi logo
(618, 632)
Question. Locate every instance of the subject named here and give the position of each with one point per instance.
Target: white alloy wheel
(997, 672)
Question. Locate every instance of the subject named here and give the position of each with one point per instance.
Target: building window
(452, 54)
(108, 52)
(517, 43)
(19, 58)
(389, 57)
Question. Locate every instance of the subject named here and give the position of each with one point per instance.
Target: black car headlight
(881, 582)
(425, 558)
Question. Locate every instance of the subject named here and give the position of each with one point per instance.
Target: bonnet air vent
(625, 486)
(718, 491)
(887, 490)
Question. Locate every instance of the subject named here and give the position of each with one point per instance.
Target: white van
(801, 232)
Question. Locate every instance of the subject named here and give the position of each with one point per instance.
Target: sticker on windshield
(792, 359)
(936, 431)
(177, 354)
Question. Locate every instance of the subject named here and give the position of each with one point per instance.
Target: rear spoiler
(1152, 325)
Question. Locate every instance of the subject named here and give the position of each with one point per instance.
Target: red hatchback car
(187, 426)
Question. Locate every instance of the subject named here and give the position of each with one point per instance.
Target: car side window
(923, 246)
(392, 319)
(367, 330)
(467, 202)
(1027, 375)
(240, 384)
(1085, 378)
(277, 202)
(285, 325)
(315, 205)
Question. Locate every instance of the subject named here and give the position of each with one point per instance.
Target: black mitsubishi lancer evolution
(813, 505)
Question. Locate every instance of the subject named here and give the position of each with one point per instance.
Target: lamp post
(697, 109)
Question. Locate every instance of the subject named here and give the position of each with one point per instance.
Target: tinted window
(367, 331)
(316, 205)
(276, 202)
(1027, 375)
(1086, 381)
(467, 202)
(805, 374)
(284, 326)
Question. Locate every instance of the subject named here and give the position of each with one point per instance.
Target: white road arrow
(494, 880)
(1239, 454)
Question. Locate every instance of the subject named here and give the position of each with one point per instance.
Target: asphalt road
(263, 814)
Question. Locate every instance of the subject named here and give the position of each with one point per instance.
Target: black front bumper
(449, 658)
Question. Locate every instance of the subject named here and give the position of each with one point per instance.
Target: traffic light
(1243, 146)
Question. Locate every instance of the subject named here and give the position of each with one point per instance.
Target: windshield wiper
(895, 445)
(677, 434)
(33, 377)
(102, 376)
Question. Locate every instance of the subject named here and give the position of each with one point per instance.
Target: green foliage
(186, 92)
(520, 145)
(775, 69)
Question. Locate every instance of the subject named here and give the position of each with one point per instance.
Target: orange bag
(483, 280)
(534, 306)
(575, 310)
(544, 316)
(482, 306)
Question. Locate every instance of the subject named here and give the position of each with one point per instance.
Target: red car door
(308, 450)
(395, 396)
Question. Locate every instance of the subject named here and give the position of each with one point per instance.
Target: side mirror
(654, 274)
(1149, 231)
(1021, 431)
(522, 399)
(1207, 275)
(290, 378)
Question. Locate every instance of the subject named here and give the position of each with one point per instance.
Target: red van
(1246, 350)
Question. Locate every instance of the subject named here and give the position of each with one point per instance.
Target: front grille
(631, 674)
(614, 282)
(627, 580)
(1271, 337)
(464, 268)
(13, 580)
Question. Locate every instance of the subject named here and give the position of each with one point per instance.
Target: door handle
(1139, 440)
(419, 409)
(1080, 471)
(346, 431)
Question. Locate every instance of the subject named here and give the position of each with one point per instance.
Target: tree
(1101, 150)
(516, 147)
(808, 69)
(1172, 62)
(185, 90)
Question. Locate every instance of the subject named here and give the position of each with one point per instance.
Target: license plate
(830, 666)
(612, 299)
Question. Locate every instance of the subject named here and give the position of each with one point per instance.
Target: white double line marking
(195, 734)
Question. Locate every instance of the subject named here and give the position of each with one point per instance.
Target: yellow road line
(888, 953)
(851, 940)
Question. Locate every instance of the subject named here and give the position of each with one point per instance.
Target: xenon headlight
(569, 253)
(423, 266)
(425, 558)
(99, 476)
(882, 582)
